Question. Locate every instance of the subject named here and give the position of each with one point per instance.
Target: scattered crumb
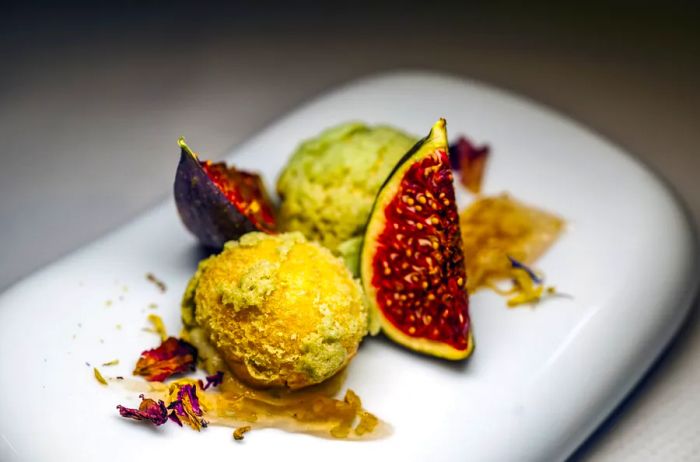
(119, 327)
(160, 284)
(108, 303)
(75, 336)
(113, 362)
(153, 306)
(121, 298)
(99, 377)
(87, 364)
(158, 326)
(125, 289)
(119, 377)
(240, 431)
(102, 340)
(80, 324)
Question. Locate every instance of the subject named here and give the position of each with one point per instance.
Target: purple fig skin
(203, 208)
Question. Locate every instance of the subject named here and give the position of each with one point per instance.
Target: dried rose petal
(186, 408)
(213, 380)
(471, 161)
(171, 357)
(155, 412)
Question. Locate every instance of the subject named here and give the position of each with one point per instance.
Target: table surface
(94, 100)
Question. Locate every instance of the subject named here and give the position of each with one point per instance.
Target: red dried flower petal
(171, 357)
(471, 161)
(150, 410)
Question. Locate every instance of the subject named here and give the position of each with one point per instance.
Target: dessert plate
(539, 382)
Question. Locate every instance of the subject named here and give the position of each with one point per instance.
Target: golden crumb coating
(279, 310)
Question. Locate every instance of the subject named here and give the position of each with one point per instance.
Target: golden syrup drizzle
(314, 410)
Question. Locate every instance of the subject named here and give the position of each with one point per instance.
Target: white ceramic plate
(539, 382)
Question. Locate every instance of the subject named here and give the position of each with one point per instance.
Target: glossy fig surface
(218, 203)
(412, 262)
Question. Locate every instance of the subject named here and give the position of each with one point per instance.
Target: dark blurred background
(93, 96)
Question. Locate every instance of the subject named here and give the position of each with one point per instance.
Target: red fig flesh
(412, 261)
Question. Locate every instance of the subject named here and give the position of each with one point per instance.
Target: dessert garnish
(218, 203)
(98, 376)
(527, 287)
(412, 261)
(501, 237)
(185, 405)
(149, 410)
(213, 380)
(516, 265)
(240, 431)
(470, 161)
(150, 277)
(312, 410)
(173, 356)
(158, 326)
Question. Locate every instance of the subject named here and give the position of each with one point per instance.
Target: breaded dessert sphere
(279, 310)
(328, 187)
